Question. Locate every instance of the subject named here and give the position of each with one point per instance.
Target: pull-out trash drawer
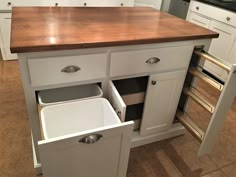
(84, 138)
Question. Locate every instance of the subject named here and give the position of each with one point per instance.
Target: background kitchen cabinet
(5, 30)
(150, 3)
(222, 22)
(221, 47)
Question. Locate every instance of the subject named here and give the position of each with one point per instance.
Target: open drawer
(127, 97)
(207, 136)
(86, 137)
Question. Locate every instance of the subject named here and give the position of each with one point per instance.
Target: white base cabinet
(222, 22)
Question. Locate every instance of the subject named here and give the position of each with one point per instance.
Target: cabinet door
(161, 101)
(71, 156)
(221, 47)
(5, 29)
(198, 20)
(116, 101)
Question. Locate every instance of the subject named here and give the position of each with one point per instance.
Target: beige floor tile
(216, 174)
(14, 135)
(230, 170)
(224, 152)
(17, 165)
(188, 152)
(11, 70)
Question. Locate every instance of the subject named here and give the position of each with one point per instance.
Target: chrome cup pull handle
(153, 60)
(90, 139)
(70, 69)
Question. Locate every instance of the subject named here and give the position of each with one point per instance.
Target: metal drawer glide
(199, 74)
(199, 99)
(219, 62)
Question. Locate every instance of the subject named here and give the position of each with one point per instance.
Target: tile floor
(170, 158)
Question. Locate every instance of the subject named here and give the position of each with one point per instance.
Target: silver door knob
(154, 82)
(90, 139)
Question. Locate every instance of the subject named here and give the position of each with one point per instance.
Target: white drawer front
(49, 70)
(199, 20)
(134, 62)
(70, 156)
(214, 12)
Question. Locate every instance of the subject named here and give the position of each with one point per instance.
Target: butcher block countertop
(36, 29)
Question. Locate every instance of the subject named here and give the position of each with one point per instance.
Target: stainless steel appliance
(179, 8)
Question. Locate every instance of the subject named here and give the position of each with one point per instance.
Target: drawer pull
(70, 69)
(153, 60)
(197, 8)
(9, 3)
(90, 139)
(228, 18)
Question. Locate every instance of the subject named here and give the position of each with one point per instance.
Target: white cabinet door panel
(161, 101)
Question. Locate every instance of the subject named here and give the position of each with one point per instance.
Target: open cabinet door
(116, 101)
(218, 112)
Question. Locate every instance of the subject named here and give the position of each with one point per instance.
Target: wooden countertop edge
(27, 49)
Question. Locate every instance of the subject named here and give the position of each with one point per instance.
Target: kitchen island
(139, 57)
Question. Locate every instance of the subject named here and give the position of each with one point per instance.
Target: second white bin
(68, 94)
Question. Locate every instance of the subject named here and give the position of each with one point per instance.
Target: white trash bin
(73, 117)
(68, 94)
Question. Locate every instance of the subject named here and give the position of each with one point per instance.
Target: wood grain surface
(58, 28)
